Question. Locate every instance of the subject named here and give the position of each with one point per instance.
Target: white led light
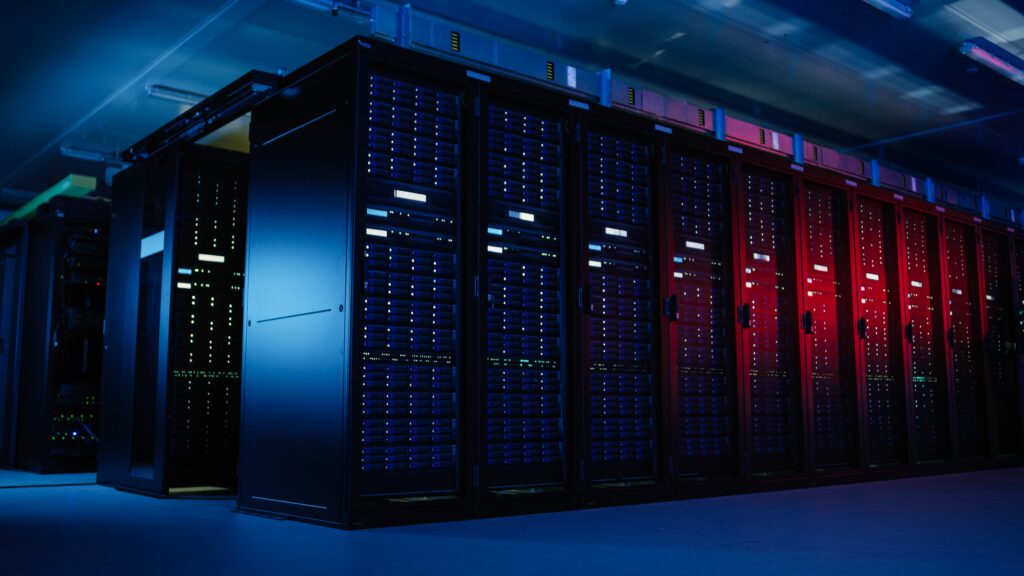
(376, 232)
(406, 195)
(211, 258)
(871, 276)
(594, 263)
(821, 268)
(185, 285)
(958, 291)
(524, 216)
(616, 232)
(677, 274)
(495, 249)
(989, 297)
(916, 284)
(694, 245)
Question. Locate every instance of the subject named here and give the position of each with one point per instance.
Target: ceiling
(840, 72)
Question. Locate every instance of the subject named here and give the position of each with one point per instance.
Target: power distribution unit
(61, 337)
(469, 294)
(171, 382)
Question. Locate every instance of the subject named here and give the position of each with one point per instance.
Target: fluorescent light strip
(406, 195)
(152, 244)
(211, 258)
(893, 8)
(524, 216)
(990, 60)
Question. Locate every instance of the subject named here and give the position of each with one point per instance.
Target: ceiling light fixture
(893, 8)
(91, 156)
(174, 94)
(991, 56)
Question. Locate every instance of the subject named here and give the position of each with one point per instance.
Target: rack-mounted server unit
(13, 260)
(171, 381)
(1000, 341)
(62, 336)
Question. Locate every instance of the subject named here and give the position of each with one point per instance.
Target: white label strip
(185, 285)
(495, 231)
(663, 129)
(406, 195)
(989, 297)
(916, 284)
(797, 167)
(594, 247)
(211, 258)
(377, 232)
(694, 245)
(677, 259)
(185, 271)
(570, 76)
(375, 212)
(524, 216)
(871, 276)
(958, 291)
(615, 232)
(762, 257)
(735, 149)
(495, 249)
(851, 183)
(677, 274)
(594, 263)
(775, 140)
(152, 244)
(821, 268)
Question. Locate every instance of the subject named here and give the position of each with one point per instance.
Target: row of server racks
(467, 294)
(52, 300)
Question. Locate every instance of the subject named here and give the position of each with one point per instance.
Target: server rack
(13, 261)
(923, 332)
(62, 336)
(1000, 340)
(827, 325)
(963, 332)
(879, 332)
(173, 350)
(768, 335)
(700, 343)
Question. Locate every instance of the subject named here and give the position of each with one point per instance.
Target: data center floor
(957, 524)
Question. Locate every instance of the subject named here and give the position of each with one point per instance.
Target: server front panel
(963, 336)
(827, 326)
(701, 288)
(768, 319)
(925, 337)
(619, 319)
(878, 328)
(406, 432)
(1001, 340)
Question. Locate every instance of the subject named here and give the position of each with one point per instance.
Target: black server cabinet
(173, 352)
(767, 318)
(619, 321)
(353, 365)
(523, 439)
(827, 325)
(964, 340)
(879, 331)
(925, 339)
(1001, 340)
(701, 338)
(13, 261)
(62, 336)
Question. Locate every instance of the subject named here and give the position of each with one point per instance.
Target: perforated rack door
(701, 276)
(619, 328)
(1001, 339)
(964, 338)
(206, 333)
(406, 377)
(826, 323)
(879, 330)
(523, 286)
(768, 320)
(924, 335)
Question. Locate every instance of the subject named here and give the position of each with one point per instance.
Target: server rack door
(826, 325)
(964, 339)
(13, 259)
(924, 336)
(767, 318)
(522, 286)
(1018, 257)
(406, 372)
(878, 329)
(1001, 340)
(702, 360)
(619, 320)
